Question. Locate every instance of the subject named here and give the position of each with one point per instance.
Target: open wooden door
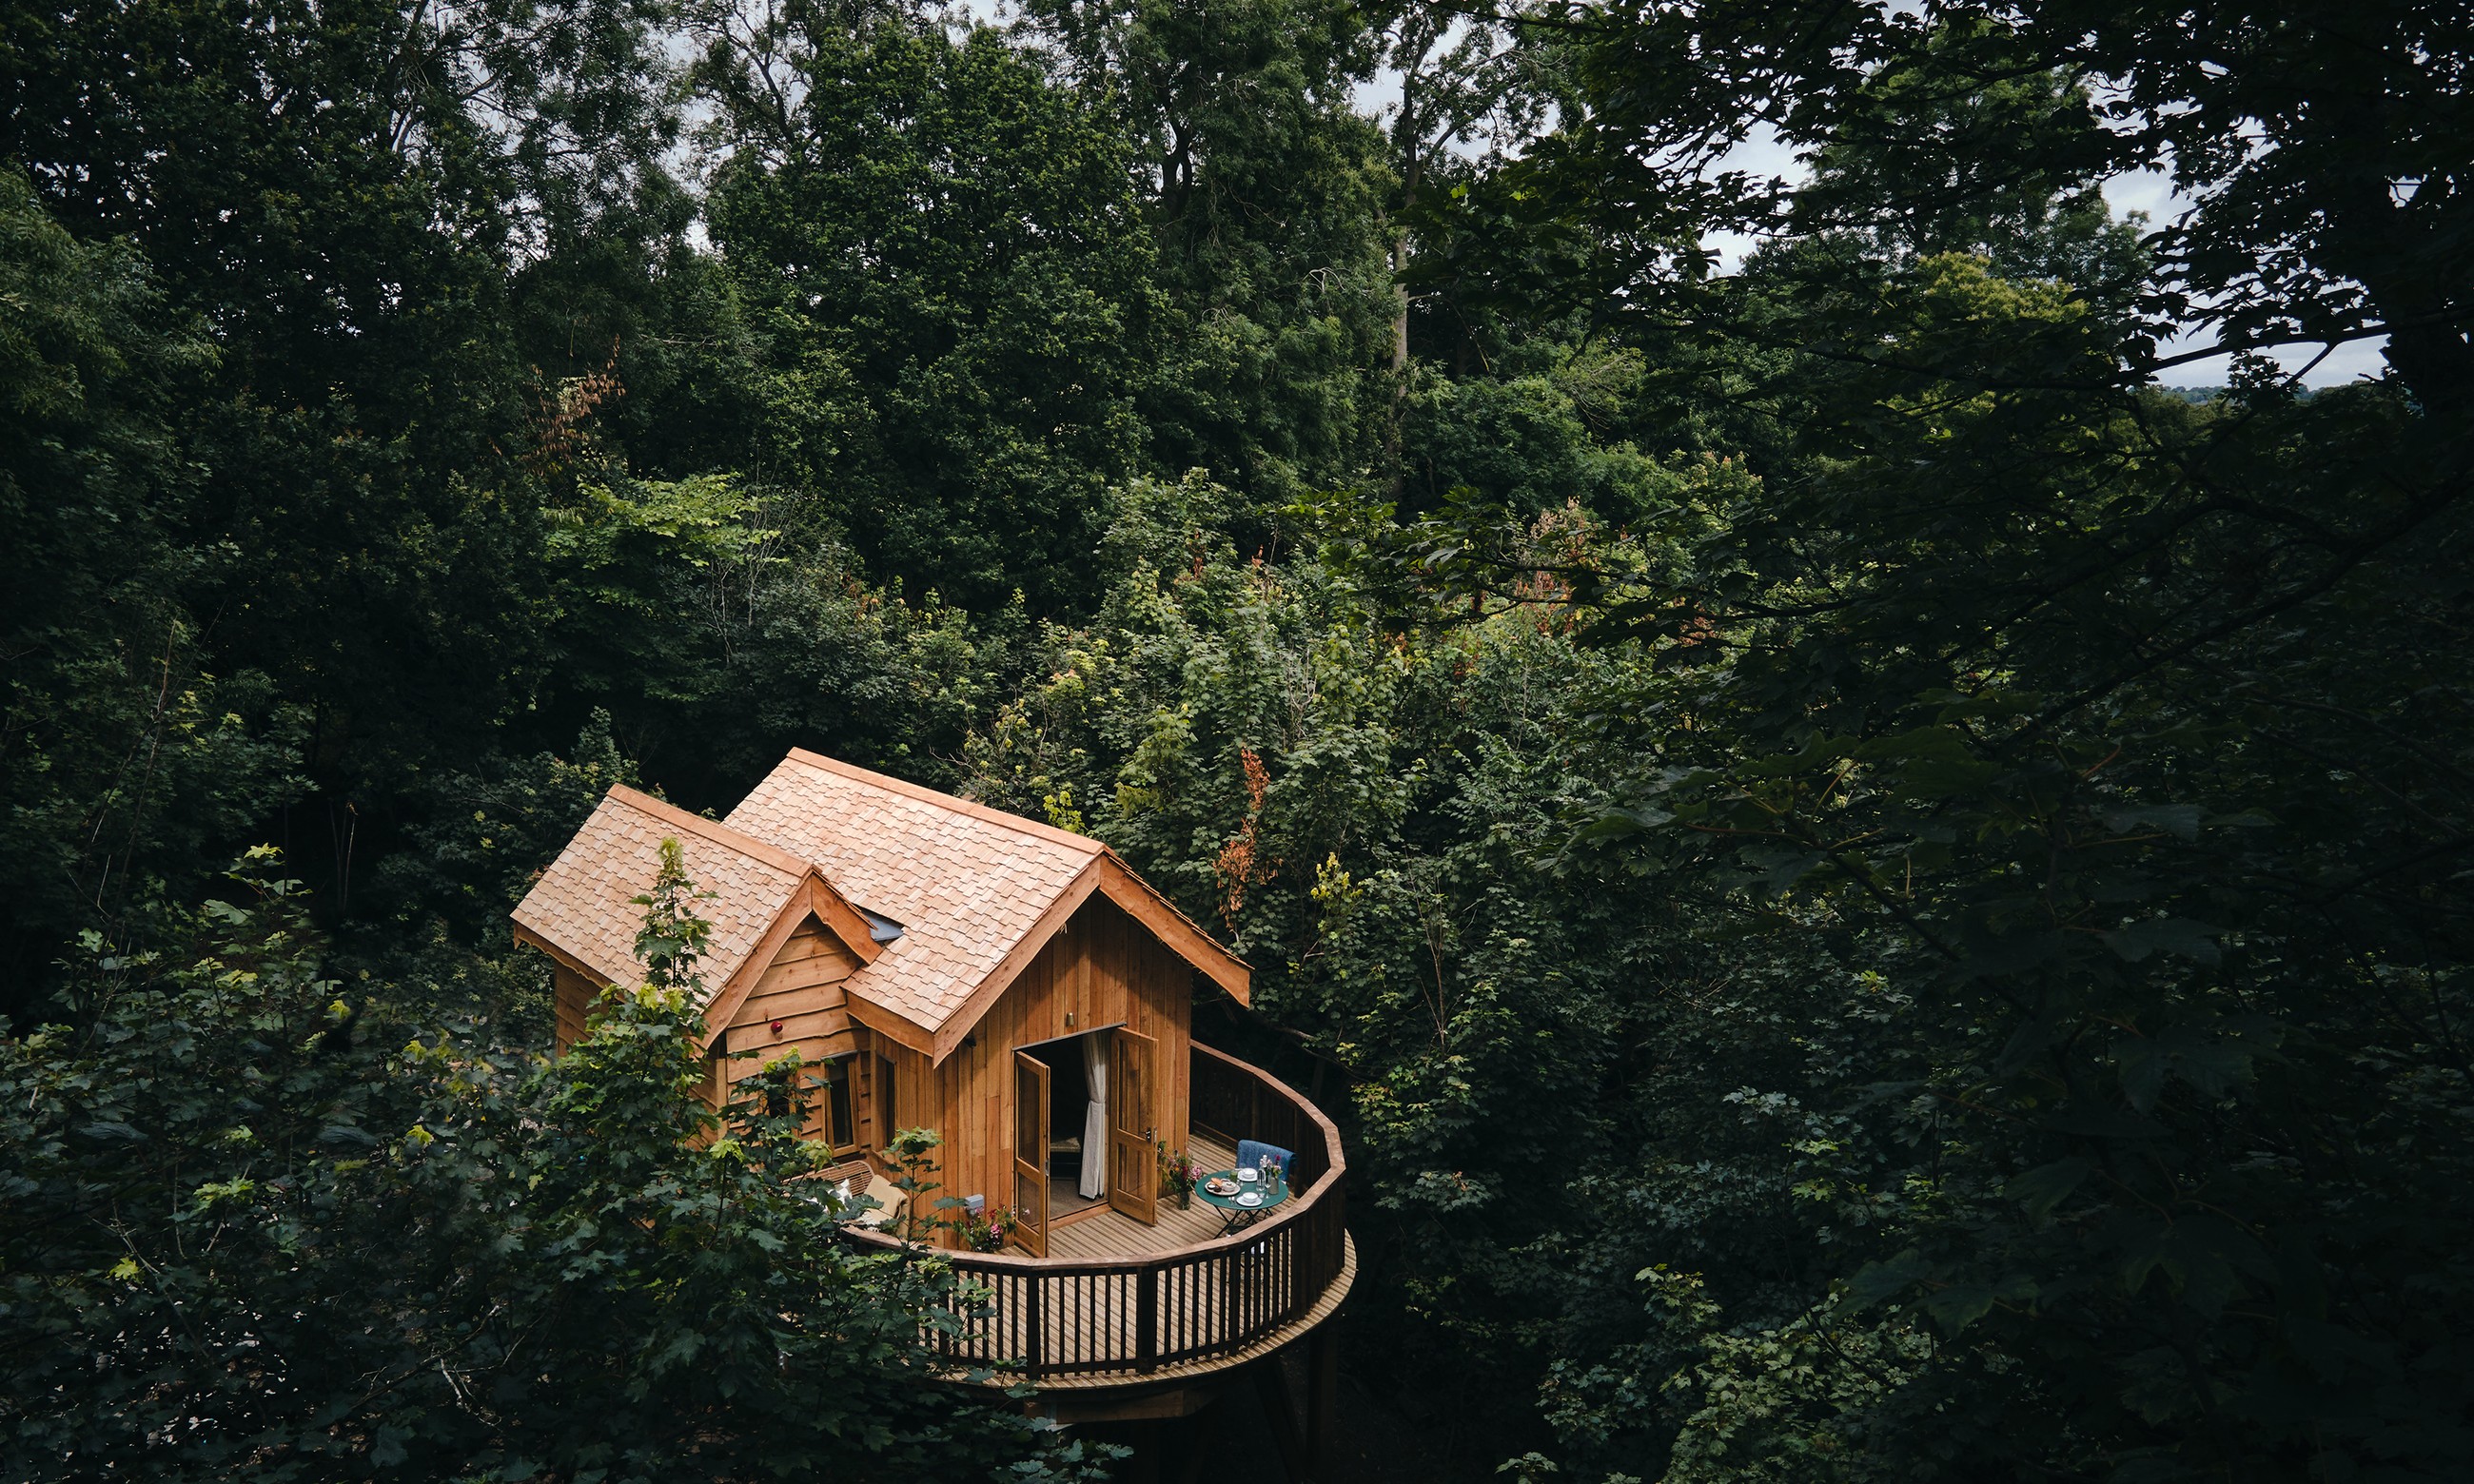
(1134, 1122)
(1030, 1152)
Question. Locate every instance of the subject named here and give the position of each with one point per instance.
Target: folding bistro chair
(1256, 1155)
(1253, 1154)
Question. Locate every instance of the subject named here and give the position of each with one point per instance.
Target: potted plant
(992, 1231)
(1177, 1175)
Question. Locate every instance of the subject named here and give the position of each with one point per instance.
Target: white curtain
(1095, 1118)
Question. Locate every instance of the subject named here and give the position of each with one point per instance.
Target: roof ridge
(944, 801)
(714, 831)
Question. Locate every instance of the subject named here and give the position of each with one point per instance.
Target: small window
(836, 1109)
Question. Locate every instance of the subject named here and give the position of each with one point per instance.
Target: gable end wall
(1104, 968)
(802, 990)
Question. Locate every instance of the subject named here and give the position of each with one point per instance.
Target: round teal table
(1274, 1188)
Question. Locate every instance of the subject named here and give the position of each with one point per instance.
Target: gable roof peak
(967, 883)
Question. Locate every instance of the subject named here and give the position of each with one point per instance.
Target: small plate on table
(1250, 1176)
(1250, 1198)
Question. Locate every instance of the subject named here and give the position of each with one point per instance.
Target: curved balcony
(1116, 1319)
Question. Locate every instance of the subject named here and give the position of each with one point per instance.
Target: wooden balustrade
(1138, 1314)
(1235, 1101)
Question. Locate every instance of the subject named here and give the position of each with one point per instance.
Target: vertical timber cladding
(1104, 968)
(801, 991)
(917, 1102)
(572, 996)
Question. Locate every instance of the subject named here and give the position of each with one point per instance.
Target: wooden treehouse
(1019, 990)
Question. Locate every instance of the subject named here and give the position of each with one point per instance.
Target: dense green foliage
(249, 1236)
(941, 253)
(1880, 895)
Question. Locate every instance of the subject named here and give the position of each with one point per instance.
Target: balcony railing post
(1147, 1319)
(1034, 1314)
(1302, 1261)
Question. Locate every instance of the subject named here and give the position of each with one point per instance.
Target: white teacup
(1250, 1176)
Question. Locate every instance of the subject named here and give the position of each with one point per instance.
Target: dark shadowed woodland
(1881, 889)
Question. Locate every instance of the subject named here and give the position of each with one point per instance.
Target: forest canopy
(1878, 879)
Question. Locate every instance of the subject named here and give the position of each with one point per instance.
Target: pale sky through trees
(2146, 191)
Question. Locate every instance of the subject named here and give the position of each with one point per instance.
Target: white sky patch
(2355, 360)
(1761, 154)
(2151, 192)
(1378, 97)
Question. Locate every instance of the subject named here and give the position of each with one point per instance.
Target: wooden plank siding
(572, 996)
(801, 991)
(801, 988)
(1103, 969)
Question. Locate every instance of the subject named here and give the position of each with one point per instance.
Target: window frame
(838, 1074)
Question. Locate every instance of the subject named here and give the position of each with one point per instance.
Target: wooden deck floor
(1113, 1235)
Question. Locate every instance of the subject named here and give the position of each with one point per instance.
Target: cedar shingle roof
(967, 883)
(975, 891)
(584, 903)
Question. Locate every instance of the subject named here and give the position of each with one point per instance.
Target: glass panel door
(1134, 1122)
(1030, 1152)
